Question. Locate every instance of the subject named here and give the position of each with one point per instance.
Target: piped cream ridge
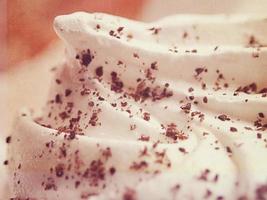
(174, 109)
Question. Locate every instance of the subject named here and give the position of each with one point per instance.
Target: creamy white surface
(155, 9)
(221, 43)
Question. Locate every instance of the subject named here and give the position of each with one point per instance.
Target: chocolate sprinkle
(99, 71)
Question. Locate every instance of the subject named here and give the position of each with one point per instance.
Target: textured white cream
(150, 111)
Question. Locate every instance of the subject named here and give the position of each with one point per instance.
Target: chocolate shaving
(85, 58)
(223, 117)
(99, 71)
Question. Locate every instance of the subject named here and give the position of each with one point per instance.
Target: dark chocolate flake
(154, 66)
(144, 138)
(186, 108)
(86, 57)
(204, 175)
(50, 184)
(5, 162)
(68, 92)
(58, 81)
(129, 194)
(8, 139)
(182, 150)
(112, 170)
(233, 129)
(229, 150)
(199, 70)
(174, 133)
(261, 115)
(139, 165)
(99, 71)
(185, 34)
(117, 84)
(223, 117)
(154, 30)
(58, 98)
(59, 169)
(259, 135)
(120, 29)
(205, 99)
(146, 116)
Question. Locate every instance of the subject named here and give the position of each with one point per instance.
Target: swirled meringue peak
(174, 109)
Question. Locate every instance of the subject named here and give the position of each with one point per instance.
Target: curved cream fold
(219, 144)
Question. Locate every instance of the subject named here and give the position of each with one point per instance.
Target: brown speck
(119, 62)
(186, 107)
(59, 170)
(205, 99)
(144, 138)
(117, 84)
(135, 55)
(249, 89)
(139, 165)
(58, 99)
(86, 57)
(124, 104)
(63, 115)
(146, 116)
(182, 150)
(111, 33)
(199, 70)
(233, 129)
(229, 150)
(101, 98)
(58, 81)
(99, 71)
(95, 173)
(112, 170)
(204, 175)
(120, 29)
(154, 66)
(5, 162)
(77, 184)
(129, 36)
(174, 133)
(219, 198)
(50, 184)
(261, 115)
(191, 98)
(132, 127)
(8, 139)
(208, 194)
(223, 117)
(190, 89)
(67, 92)
(129, 194)
(154, 30)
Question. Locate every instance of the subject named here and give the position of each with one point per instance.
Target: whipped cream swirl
(174, 109)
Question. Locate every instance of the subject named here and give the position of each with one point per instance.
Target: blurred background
(29, 47)
(30, 28)
(26, 25)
